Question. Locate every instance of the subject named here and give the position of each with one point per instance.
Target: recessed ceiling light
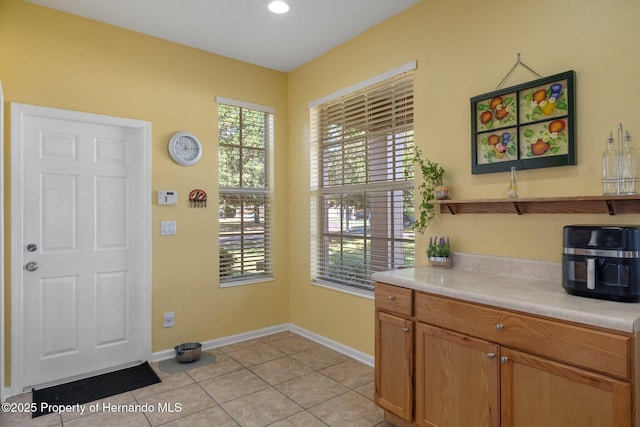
(278, 7)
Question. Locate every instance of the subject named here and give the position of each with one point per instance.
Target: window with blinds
(244, 211)
(362, 183)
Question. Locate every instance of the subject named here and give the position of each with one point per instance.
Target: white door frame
(143, 235)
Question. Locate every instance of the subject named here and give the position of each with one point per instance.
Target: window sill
(251, 281)
(346, 289)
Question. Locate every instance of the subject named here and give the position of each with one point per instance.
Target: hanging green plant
(432, 174)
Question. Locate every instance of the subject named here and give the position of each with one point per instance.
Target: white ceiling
(243, 29)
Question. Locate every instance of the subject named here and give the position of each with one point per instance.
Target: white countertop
(542, 297)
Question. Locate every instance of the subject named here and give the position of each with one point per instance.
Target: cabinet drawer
(394, 299)
(575, 345)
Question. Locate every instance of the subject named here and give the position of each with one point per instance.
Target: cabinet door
(538, 392)
(394, 365)
(457, 379)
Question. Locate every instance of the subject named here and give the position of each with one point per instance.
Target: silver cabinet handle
(491, 355)
(31, 266)
(504, 359)
(405, 330)
(391, 297)
(499, 326)
(32, 247)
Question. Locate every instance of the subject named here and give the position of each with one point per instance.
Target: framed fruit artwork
(531, 125)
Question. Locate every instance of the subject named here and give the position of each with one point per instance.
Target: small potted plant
(439, 252)
(430, 188)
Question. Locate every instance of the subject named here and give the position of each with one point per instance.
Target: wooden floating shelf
(611, 205)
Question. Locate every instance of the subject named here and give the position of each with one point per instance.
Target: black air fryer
(602, 261)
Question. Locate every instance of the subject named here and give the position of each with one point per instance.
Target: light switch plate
(167, 228)
(167, 197)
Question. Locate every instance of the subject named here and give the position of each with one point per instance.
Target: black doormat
(64, 396)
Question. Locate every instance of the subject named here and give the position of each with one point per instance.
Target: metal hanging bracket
(518, 62)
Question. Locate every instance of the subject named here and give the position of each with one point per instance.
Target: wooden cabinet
(394, 350)
(394, 299)
(478, 365)
(457, 379)
(596, 350)
(540, 392)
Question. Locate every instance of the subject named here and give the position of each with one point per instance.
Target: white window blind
(362, 183)
(245, 200)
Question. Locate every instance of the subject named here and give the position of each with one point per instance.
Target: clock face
(185, 148)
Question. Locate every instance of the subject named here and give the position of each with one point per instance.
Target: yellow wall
(59, 60)
(464, 48)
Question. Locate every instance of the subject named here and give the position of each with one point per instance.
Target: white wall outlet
(168, 319)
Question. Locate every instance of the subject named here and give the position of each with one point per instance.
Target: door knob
(32, 247)
(31, 266)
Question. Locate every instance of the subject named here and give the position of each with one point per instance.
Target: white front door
(81, 255)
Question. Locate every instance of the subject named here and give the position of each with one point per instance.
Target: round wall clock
(185, 148)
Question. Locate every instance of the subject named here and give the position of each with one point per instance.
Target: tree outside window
(362, 184)
(245, 197)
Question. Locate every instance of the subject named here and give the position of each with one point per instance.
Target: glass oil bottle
(619, 165)
(513, 186)
(610, 183)
(628, 167)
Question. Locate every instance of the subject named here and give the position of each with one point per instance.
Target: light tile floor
(280, 380)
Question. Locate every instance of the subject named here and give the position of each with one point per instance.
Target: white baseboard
(220, 342)
(334, 345)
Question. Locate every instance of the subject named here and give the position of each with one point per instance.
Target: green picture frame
(528, 126)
